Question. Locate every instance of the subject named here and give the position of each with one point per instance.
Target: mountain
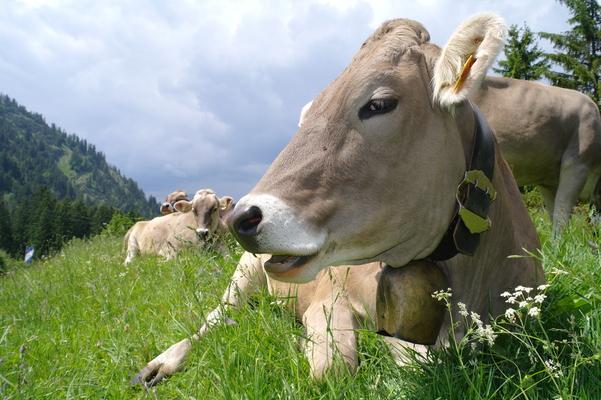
(34, 155)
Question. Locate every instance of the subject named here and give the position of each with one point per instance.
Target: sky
(202, 94)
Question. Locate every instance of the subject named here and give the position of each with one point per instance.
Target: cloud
(200, 94)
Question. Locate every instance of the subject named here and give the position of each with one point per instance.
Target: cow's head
(207, 209)
(372, 172)
(167, 207)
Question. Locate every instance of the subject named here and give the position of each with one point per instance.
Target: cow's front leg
(330, 332)
(405, 308)
(247, 280)
(165, 364)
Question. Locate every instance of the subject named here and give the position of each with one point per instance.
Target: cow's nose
(202, 232)
(244, 224)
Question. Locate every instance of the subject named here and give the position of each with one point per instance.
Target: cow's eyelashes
(377, 107)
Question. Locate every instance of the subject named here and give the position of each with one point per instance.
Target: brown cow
(168, 234)
(384, 169)
(167, 207)
(550, 136)
(331, 307)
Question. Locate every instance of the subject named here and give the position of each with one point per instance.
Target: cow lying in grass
(168, 206)
(198, 222)
(550, 136)
(331, 307)
(394, 164)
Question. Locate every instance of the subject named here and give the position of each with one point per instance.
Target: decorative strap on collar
(474, 195)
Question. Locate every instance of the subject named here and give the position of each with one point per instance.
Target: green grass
(80, 325)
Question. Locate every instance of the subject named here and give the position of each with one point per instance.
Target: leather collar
(474, 196)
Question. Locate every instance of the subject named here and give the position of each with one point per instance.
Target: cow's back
(535, 124)
(166, 233)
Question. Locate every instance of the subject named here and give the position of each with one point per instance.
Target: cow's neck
(478, 280)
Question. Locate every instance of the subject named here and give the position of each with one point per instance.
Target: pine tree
(81, 219)
(523, 58)
(44, 232)
(100, 217)
(21, 227)
(6, 232)
(65, 222)
(579, 54)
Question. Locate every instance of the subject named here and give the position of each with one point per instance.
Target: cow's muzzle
(202, 233)
(264, 224)
(244, 225)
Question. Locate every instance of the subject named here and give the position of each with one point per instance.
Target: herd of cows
(395, 177)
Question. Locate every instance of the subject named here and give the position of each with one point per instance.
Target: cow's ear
(225, 203)
(183, 206)
(303, 113)
(466, 57)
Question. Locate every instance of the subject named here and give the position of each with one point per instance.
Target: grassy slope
(80, 325)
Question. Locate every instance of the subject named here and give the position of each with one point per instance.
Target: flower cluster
(481, 332)
(443, 295)
(553, 368)
(521, 296)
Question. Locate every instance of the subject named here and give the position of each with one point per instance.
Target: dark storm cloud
(198, 94)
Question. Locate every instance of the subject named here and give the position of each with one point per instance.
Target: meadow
(81, 325)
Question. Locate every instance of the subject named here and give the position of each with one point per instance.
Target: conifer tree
(523, 58)
(44, 232)
(21, 219)
(6, 236)
(81, 219)
(579, 49)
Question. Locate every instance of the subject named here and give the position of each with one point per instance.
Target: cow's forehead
(366, 73)
(205, 201)
(392, 39)
(393, 42)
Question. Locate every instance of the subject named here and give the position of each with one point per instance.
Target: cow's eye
(377, 107)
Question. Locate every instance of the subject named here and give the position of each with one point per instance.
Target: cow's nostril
(247, 222)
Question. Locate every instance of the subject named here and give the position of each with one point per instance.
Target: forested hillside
(35, 155)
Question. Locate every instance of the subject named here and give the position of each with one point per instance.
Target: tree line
(46, 223)
(576, 64)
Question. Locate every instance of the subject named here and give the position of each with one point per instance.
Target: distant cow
(166, 235)
(550, 136)
(167, 207)
(331, 307)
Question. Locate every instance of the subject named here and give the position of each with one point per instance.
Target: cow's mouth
(282, 264)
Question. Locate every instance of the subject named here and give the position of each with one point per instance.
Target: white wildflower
(553, 368)
(486, 334)
(476, 318)
(534, 312)
(122, 274)
(542, 287)
(539, 298)
(519, 288)
(523, 304)
(510, 314)
(511, 300)
(442, 295)
(505, 294)
(462, 309)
